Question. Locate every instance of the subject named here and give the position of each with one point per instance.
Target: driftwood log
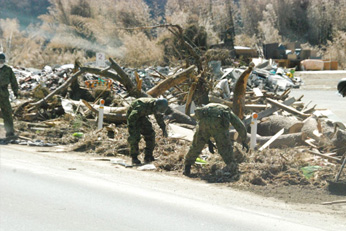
(111, 114)
(271, 125)
(239, 92)
(168, 83)
(283, 141)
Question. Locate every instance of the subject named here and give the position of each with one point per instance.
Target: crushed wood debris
(59, 106)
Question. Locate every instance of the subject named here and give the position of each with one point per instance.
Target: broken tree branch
(126, 81)
(166, 84)
(189, 98)
(239, 93)
(325, 156)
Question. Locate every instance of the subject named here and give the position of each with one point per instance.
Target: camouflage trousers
(207, 128)
(6, 110)
(142, 127)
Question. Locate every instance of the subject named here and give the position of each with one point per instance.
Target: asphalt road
(48, 191)
(326, 101)
(320, 88)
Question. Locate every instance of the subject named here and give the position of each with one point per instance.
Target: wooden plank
(166, 84)
(309, 142)
(269, 111)
(257, 92)
(287, 108)
(325, 156)
(271, 140)
(334, 202)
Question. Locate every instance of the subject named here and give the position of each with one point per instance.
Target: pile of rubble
(59, 106)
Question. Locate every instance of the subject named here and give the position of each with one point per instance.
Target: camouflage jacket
(143, 107)
(215, 110)
(7, 77)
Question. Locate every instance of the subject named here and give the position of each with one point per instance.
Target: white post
(100, 59)
(253, 131)
(101, 108)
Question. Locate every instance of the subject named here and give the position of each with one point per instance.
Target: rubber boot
(148, 158)
(135, 161)
(187, 170)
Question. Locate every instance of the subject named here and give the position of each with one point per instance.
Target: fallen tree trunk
(269, 126)
(166, 84)
(116, 115)
(126, 81)
(105, 73)
(283, 141)
(310, 129)
(179, 117)
(114, 118)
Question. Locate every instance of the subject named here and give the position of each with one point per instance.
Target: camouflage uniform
(214, 121)
(138, 123)
(7, 77)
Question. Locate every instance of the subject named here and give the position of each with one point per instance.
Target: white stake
(101, 108)
(253, 131)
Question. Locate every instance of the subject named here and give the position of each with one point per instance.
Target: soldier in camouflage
(7, 77)
(138, 123)
(214, 121)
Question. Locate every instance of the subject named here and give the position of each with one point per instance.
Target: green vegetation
(70, 29)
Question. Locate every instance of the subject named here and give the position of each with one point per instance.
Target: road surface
(320, 88)
(43, 191)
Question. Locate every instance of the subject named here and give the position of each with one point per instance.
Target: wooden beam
(325, 156)
(271, 140)
(269, 111)
(287, 108)
(334, 202)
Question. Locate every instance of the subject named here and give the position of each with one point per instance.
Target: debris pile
(59, 106)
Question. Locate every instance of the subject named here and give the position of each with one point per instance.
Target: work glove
(164, 133)
(245, 146)
(211, 146)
